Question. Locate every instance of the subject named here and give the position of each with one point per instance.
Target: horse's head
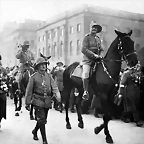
(126, 48)
(46, 58)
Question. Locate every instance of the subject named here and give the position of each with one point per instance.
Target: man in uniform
(130, 71)
(91, 48)
(26, 58)
(38, 93)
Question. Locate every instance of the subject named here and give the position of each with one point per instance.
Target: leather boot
(85, 86)
(34, 132)
(43, 133)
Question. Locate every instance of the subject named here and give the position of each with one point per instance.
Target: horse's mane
(113, 44)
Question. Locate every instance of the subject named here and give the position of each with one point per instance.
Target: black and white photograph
(71, 71)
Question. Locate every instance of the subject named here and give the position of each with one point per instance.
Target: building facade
(62, 37)
(9, 46)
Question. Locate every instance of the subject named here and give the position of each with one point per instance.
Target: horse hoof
(139, 124)
(17, 114)
(68, 126)
(97, 130)
(109, 140)
(81, 125)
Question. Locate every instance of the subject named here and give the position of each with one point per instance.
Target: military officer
(38, 93)
(130, 71)
(26, 59)
(91, 48)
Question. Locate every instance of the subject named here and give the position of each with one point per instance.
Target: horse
(103, 79)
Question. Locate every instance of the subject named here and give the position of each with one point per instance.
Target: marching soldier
(91, 48)
(26, 59)
(38, 93)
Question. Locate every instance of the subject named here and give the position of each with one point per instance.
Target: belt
(40, 94)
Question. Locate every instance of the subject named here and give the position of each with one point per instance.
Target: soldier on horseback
(91, 48)
(26, 59)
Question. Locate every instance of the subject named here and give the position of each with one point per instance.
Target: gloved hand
(27, 107)
(97, 57)
(118, 99)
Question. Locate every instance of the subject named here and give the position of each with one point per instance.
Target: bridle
(121, 50)
(124, 57)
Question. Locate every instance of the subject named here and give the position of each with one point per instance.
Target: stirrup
(85, 95)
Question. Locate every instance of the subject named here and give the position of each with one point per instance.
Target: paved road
(17, 130)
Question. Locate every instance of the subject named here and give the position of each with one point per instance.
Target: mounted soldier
(91, 48)
(39, 90)
(26, 59)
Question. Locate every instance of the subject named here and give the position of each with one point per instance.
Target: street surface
(17, 130)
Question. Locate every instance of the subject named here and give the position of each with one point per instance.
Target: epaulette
(97, 36)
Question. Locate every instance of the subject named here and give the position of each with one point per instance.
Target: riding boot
(34, 132)
(85, 86)
(43, 133)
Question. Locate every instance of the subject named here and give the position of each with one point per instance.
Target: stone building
(62, 37)
(9, 46)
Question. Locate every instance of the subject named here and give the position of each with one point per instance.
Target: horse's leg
(106, 118)
(15, 102)
(73, 102)
(67, 97)
(79, 113)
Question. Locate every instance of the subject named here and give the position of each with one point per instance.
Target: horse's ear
(130, 33)
(118, 33)
(49, 57)
(41, 55)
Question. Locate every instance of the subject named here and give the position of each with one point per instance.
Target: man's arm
(19, 53)
(29, 91)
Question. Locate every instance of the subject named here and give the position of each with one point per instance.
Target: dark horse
(103, 80)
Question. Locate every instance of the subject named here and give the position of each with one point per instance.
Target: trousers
(86, 71)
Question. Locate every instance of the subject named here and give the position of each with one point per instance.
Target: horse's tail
(67, 73)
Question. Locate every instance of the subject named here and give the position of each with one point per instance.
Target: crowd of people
(44, 83)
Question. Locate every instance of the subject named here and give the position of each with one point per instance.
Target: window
(39, 51)
(49, 35)
(78, 27)
(54, 49)
(61, 32)
(43, 37)
(49, 49)
(104, 28)
(39, 39)
(137, 33)
(78, 47)
(71, 29)
(61, 49)
(71, 48)
(55, 33)
(43, 51)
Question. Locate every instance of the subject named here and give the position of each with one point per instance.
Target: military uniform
(25, 59)
(91, 48)
(38, 92)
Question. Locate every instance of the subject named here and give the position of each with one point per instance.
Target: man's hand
(118, 99)
(27, 107)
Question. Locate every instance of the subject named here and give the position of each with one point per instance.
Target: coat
(39, 90)
(24, 57)
(91, 45)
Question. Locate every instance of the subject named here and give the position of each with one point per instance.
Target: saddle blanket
(78, 71)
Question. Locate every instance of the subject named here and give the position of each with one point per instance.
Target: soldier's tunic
(24, 57)
(91, 45)
(40, 95)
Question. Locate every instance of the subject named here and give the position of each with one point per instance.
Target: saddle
(79, 70)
